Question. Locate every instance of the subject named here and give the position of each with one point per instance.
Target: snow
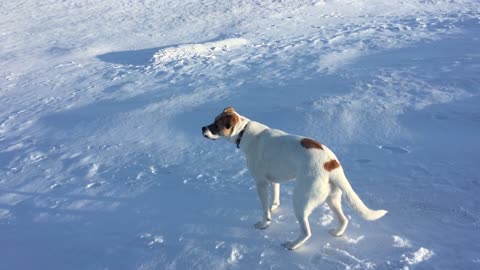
(103, 165)
(422, 254)
(183, 53)
(400, 242)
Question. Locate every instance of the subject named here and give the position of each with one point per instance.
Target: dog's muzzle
(207, 133)
(211, 131)
(204, 130)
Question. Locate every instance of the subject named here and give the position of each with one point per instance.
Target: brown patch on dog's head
(331, 165)
(225, 122)
(223, 125)
(309, 144)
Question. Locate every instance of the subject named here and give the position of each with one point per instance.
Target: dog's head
(224, 125)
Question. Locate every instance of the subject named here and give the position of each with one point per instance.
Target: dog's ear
(228, 121)
(229, 109)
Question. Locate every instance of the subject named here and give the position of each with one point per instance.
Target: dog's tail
(339, 179)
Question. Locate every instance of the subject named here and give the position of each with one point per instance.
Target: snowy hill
(103, 165)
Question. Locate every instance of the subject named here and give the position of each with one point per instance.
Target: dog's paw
(262, 225)
(335, 232)
(287, 244)
(274, 206)
(290, 245)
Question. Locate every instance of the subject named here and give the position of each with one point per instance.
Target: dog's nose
(204, 129)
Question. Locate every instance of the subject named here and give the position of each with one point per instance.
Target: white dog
(274, 156)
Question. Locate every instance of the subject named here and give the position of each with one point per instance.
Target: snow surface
(103, 165)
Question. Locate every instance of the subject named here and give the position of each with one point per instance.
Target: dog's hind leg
(308, 194)
(275, 196)
(334, 201)
(262, 189)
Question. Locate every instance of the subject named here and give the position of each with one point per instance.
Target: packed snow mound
(197, 50)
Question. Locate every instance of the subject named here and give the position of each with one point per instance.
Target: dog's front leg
(262, 189)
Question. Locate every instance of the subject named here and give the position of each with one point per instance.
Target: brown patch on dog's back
(309, 144)
(331, 165)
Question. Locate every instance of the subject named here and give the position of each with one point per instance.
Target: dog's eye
(214, 128)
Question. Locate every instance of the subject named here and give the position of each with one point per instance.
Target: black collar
(240, 135)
